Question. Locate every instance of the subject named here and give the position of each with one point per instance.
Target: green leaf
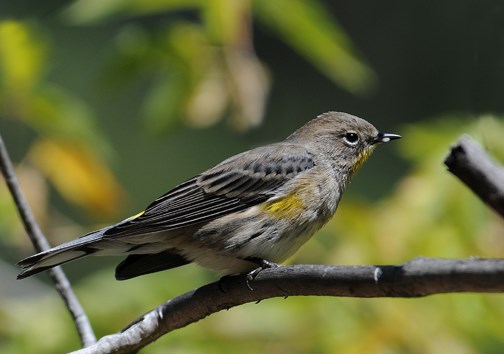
(224, 19)
(56, 112)
(306, 26)
(162, 105)
(91, 11)
(22, 56)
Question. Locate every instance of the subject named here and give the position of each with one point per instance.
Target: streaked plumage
(261, 204)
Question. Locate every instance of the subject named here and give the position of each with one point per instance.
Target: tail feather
(61, 254)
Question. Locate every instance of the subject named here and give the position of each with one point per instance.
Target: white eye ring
(351, 138)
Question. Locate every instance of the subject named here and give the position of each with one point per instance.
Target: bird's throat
(361, 158)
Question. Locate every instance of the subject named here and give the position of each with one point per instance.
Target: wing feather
(235, 184)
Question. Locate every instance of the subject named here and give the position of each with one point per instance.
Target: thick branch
(419, 277)
(40, 243)
(478, 171)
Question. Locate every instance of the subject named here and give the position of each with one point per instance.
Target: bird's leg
(263, 264)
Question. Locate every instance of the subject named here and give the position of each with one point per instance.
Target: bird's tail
(64, 253)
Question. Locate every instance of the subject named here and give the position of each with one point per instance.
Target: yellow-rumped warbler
(253, 209)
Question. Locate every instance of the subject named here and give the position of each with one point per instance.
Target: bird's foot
(263, 264)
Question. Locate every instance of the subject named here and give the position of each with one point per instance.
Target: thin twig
(419, 277)
(40, 243)
(478, 171)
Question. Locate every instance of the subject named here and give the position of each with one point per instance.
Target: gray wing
(235, 184)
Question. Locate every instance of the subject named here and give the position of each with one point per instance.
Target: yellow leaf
(79, 175)
(21, 57)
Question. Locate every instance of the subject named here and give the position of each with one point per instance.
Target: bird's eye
(351, 138)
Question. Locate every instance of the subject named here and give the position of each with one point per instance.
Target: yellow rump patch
(135, 216)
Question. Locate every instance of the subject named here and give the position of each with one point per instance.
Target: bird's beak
(386, 137)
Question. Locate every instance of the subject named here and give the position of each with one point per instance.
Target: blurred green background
(107, 104)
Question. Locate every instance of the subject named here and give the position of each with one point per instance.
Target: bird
(252, 211)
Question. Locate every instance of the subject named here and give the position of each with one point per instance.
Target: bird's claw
(263, 264)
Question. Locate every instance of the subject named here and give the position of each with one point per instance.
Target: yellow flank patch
(362, 157)
(289, 206)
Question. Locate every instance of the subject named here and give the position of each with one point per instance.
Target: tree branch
(478, 171)
(419, 277)
(40, 243)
